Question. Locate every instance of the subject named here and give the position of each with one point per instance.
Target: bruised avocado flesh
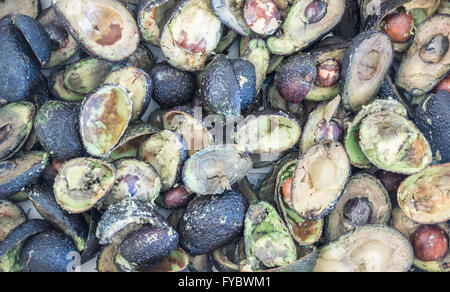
(319, 179)
(82, 182)
(425, 197)
(393, 143)
(371, 248)
(299, 33)
(191, 34)
(366, 62)
(427, 61)
(359, 186)
(268, 243)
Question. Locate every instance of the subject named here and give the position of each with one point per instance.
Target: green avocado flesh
(10, 261)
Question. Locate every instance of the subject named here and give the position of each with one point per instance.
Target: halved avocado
(105, 115)
(360, 186)
(432, 119)
(21, 171)
(267, 132)
(172, 87)
(228, 86)
(86, 75)
(63, 45)
(166, 152)
(16, 122)
(59, 90)
(26, 7)
(105, 260)
(372, 248)
(423, 197)
(11, 216)
(203, 228)
(303, 231)
(136, 180)
(257, 52)
(393, 143)
(138, 84)
(151, 18)
(189, 124)
(357, 157)
(224, 258)
(146, 246)
(131, 140)
(231, 13)
(177, 261)
(428, 58)
(322, 114)
(143, 59)
(215, 169)
(82, 182)
(190, 35)
(302, 27)
(58, 130)
(268, 243)
(73, 225)
(228, 38)
(366, 62)
(319, 179)
(105, 28)
(49, 251)
(10, 247)
(276, 101)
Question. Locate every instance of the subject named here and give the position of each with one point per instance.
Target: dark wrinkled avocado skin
(44, 201)
(211, 221)
(140, 248)
(92, 243)
(434, 123)
(47, 252)
(57, 128)
(172, 87)
(19, 70)
(245, 69)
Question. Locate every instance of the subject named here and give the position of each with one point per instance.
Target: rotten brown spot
(199, 47)
(304, 230)
(416, 152)
(112, 36)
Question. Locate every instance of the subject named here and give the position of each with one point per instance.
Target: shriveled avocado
(361, 186)
(319, 179)
(21, 171)
(172, 87)
(57, 128)
(423, 197)
(427, 60)
(151, 18)
(16, 122)
(82, 182)
(11, 216)
(215, 169)
(26, 7)
(372, 248)
(190, 35)
(73, 225)
(268, 243)
(105, 28)
(306, 22)
(49, 251)
(211, 221)
(366, 62)
(86, 75)
(432, 118)
(231, 13)
(104, 117)
(393, 143)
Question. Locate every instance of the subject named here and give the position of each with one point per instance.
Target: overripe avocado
(372, 248)
(85, 75)
(57, 128)
(11, 216)
(59, 89)
(211, 221)
(231, 13)
(432, 118)
(172, 87)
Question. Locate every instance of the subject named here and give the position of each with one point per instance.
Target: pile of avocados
(225, 136)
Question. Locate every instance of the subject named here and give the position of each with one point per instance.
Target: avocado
(211, 221)
(258, 53)
(432, 119)
(21, 171)
(177, 261)
(49, 251)
(215, 169)
(57, 128)
(59, 89)
(228, 38)
(85, 75)
(151, 17)
(27, 7)
(92, 246)
(231, 13)
(172, 87)
(143, 59)
(112, 38)
(371, 248)
(224, 259)
(11, 216)
(105, 260)
(73, 225)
